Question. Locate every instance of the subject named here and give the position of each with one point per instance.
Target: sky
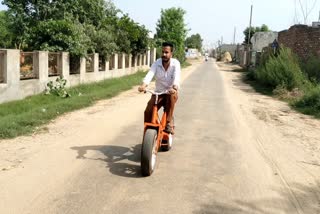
(217, 20)
(214, 19)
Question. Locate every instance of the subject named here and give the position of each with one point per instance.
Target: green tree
(131, 37)
(60, 35)
(5, 33)
(263, 28)
(19, 21)
(76, 26)
(171, 27)
(194, 41)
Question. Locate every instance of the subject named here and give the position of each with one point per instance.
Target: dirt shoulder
(289, 140)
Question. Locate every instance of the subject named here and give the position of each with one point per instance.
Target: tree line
(81, 27)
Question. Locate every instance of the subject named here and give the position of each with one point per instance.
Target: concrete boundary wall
(12, 88)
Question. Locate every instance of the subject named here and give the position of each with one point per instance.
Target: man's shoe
(168, 129)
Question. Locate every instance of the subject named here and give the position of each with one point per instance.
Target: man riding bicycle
(166, 71)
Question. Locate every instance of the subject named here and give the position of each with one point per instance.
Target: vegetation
(310, 102)
(312, 69)
(5, 34)
(282, 75)
(194, 41)
(171, 27)
(282, 70)
(79, 27)
(87, 26)
(25, 116)
(58, 88)
(263, 28)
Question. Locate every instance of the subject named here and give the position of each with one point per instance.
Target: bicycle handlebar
(156, 93)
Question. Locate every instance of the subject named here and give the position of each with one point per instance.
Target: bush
(282, 70)
(310, 102)
(312, 69)
(58, 88)
(267, 53)
(250, 75)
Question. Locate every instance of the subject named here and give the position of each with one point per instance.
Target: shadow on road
(120, 160)
(308, 197)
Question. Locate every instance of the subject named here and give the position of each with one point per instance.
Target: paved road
(214, 166)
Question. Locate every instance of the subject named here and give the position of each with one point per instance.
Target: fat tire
(150, 138)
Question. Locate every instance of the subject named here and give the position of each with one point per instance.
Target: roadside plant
(282, 70)
(312, 69)
(57, 88)
(310, 102)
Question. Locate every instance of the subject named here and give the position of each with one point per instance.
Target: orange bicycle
(154, 138)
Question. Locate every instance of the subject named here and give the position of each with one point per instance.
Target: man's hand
(172, 91)
(142, 88)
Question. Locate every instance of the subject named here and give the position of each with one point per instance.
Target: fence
(111, 63)
(26, 66)
(102, 63)
(54, 64)
(27, 73)
(90, 63)
(120, 61)
(74, 65)
(127, 61)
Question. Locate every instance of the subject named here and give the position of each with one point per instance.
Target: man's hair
(166, 44)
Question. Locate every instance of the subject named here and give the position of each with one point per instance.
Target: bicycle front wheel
(149, 152)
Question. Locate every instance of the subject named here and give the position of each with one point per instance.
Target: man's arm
(147, 79)
(176, 82)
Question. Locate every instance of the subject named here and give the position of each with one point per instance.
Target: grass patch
(185, 64)
(25, 116)
(309, 103)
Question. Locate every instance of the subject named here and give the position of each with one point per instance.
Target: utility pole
(234, 35)
(250, 26)
(249, 32)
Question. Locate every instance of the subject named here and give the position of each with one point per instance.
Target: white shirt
(164, 79)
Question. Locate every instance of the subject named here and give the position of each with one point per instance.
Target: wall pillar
(96, 63)
(40, 65)
(116, 67)
(11, 67)
(153, 56)
(140, 60)
(144, 59)
(82, 70)
(148, 58)
(65, 66)
(107, 65)
(123, 56)
(130, 63)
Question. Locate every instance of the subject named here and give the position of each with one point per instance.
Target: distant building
(192, 53)
(231, 48)
(262, 39)
(315, 24)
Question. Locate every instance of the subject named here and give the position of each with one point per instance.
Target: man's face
(166, 53)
